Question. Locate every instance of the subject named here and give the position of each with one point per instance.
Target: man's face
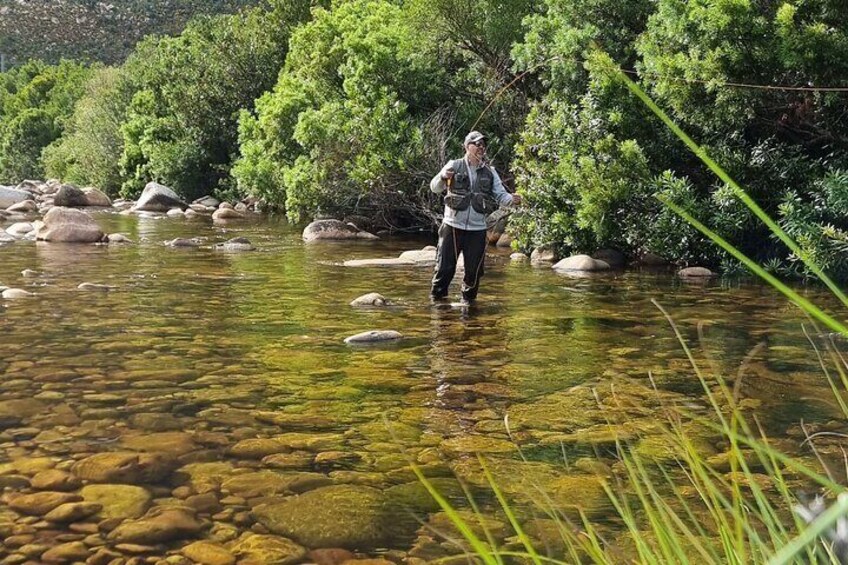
(476, 149)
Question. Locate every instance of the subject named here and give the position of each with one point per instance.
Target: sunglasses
(479, 143)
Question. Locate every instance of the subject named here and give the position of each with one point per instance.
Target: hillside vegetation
(92, 30)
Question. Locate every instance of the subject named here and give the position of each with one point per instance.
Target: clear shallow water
(250, 345)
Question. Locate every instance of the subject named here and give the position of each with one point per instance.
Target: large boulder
(496, 224)
(25, 207)
(334, 229)
(70, 196)
(158, 198)
(94, 197)
(9, 196)
(69, 225)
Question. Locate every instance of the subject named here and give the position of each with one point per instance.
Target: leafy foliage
(35, 102)
(340, 131)
(181, 125)
(780, 144)
(89, 150)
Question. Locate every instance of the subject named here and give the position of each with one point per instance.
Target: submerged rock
(161, 524)
(344, 516)
(40, 503)
(235, 244)
(257, 548)
(182, 242)
(210, 553)
(373, 336)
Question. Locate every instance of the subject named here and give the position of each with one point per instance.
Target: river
(221, 384)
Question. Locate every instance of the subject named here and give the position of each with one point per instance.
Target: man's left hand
(516, 199)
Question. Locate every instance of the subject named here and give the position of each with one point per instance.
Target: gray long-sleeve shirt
(469, 219)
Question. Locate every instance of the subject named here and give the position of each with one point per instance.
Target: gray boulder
(207, 202)
(333, 230)
(10, 196)
(70, 196)
(95, 197)
(543, 254)
(158, 198)
(25, 207)
(227, 214)
(611, 257)
(69, 225)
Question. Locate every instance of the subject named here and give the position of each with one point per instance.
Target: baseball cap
(473, 137)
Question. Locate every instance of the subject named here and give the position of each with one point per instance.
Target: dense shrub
(341, 130)
(779, 144)
(585, 173)
(35, 102)
(90, 148)
(181, 125)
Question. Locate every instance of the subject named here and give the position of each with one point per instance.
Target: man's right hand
(448, 174)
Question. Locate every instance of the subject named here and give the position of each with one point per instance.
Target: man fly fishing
(473, 190)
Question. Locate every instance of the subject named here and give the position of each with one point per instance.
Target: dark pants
(452, 242)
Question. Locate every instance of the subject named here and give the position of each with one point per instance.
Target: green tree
(35, 102)
(342, 130)
(582, 165)
(90, 148)
(181, 125)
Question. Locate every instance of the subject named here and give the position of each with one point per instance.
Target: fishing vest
(462, 194)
